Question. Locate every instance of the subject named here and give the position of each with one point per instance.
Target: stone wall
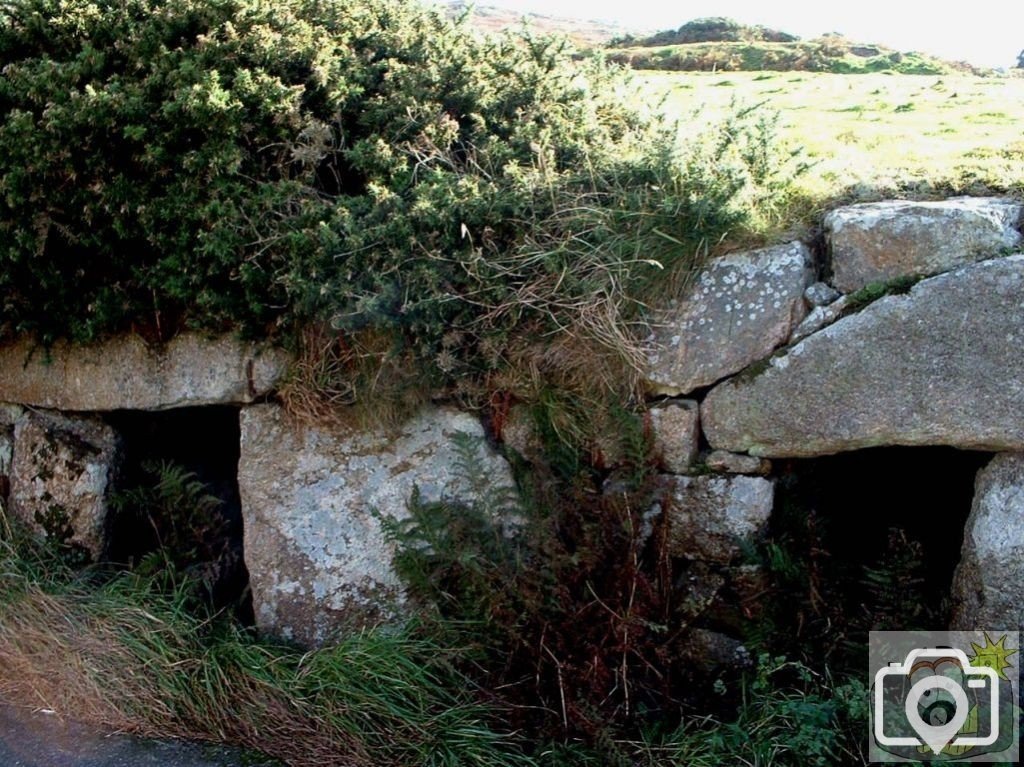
(907, 330)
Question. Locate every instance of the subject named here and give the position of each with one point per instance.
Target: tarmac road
(29, 739)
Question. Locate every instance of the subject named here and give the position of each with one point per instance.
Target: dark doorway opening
(867, 540)
(178, 503)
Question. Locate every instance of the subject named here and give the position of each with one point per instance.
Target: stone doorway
(191, 453)
(878, 534)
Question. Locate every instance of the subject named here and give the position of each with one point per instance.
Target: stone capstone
(710, 518)
(739, 309)
(675, 426)
(881, 241)
(989, 580)
(313, 499)
(126, 374)
(62, 475)
(940, 365)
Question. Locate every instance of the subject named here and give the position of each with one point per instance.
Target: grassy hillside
(713, 29)
(718, 44)
(873, 135)
(829, 54)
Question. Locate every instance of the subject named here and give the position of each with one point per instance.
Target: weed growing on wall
(572, 614)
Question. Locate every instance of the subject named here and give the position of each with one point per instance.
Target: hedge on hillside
(261, 165)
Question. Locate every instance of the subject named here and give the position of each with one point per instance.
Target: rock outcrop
(125, 374)
(989, 581)
(62, 473)
(881, 241)
(313, 500)
(940, 365)
(739, 309)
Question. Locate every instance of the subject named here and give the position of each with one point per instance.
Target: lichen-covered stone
(710, 518)
(820, 317)
(312, 502)
(124, 373)
(821, 294)
(676, 432)
(62, 474)
(940, 365)
(988, 588)
(739, 309)
(881, 241)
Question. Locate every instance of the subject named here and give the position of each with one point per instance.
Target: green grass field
(872, 135)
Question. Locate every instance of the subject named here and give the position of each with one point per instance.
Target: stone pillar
(988, 588)
(312, 502)
(63, 468)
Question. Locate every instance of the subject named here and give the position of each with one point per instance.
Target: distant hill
(713, 29)
(723, 45)
(489, 18)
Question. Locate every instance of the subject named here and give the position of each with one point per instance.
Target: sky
(987, 33)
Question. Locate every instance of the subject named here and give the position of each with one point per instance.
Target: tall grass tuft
(119, 652)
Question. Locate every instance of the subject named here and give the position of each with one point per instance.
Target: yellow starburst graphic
(994, 655)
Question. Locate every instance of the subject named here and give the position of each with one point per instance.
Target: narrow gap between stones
(178, 500)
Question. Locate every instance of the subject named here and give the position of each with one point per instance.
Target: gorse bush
(826, 54)
(224, 162)
(364, 164)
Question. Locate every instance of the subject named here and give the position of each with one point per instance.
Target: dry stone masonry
(777, 353)
(713, 516)
(941, 365)
(881, 241)
(740, 308)
(61, 474)
(676, 428)
(989, 582)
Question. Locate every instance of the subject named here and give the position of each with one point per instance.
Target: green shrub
(366, 165)
(231, 162)
(826, 54)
